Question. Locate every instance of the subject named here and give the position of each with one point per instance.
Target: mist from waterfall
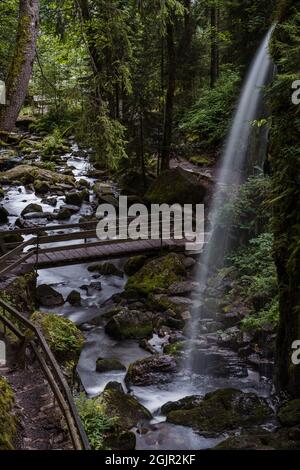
(231, 171)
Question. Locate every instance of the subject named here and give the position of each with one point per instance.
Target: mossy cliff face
(7, 419)
(285, 161)
(64, 338)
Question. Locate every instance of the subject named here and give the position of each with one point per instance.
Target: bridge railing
(33, 338)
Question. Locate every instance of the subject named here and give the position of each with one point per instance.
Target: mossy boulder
(31, 208)
(130, 324)
(41, 187)
(106, 269)
(178, 186)
(175, 349)
(134, 264)
(289, 414)
(107, 365)
(124, 408)
(74, 298)
(259, 439)
(22, 292)
(151, 370)
(158, 274)
(28, 174)
(223, 410)
(8, 422)
(76, 198)
(63, 336)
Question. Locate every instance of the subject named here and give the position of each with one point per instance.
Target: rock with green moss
(223, 410)
(202, 160)
(63, 336)
(178, 186)
(124, 408)
(289, 414)
(41, 187)
(22, 291)
(76, 198)
(31, 208)
(260, 439)
(151, 370)
(106, 269)
(8, 421)
(158, 274)
(134, 264)
(130, 324)
(3, 215)
(107, 365)
(175, 349)
(28, 174)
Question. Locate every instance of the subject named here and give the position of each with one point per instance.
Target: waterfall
(230, 173)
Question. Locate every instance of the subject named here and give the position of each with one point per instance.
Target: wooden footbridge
(51, 246)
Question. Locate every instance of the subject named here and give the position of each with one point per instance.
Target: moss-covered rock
(175, 349)
(41, 187)
(289, 414)
(124, 408)
(22, 292)
(134, 264)
(223, 410)
(158, 274)
(106, 269)
(8, 421)
(62, 335)
(30, 208)
(107, 365)
(130, 324)
(259, 439)
(151, 370)
(76, 198)
(28, 174)
(178, 186)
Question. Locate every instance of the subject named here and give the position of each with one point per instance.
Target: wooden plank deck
(90, 252)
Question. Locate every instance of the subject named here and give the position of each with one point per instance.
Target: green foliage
(209, 119)
(267, 316)
(94, 420)
(62, 335)
(8, 420)
(255, 268)
(250, 211)
(8, 27)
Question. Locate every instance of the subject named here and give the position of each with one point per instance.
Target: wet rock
(3, 215)
(152, 370)
(51, 201)
(289, 413)
(223, 410)
(134, 264)
(76, 198)
(74, 298)
(41, 187)
(107, 365)
(32, 208)
(144, 344)
(176, 349)
(95, 285)
(159, 273)
(245, 442)
(120, 441)
(128, 324)
(48, 297)
(184, 404)
(82, 183)
(283, 439)
(103, 189)
(178, 186)
(106, 269)
(189, 262)
(125, 409)
(234, 338)
(63, 214)
(185, 287)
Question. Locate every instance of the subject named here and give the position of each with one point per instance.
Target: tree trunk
(214, 62)
(22, 62)
(169, 105)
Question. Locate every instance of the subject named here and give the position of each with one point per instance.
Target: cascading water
(232, 168)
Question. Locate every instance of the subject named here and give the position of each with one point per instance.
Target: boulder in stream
(32, 209)
(3, 215)
(48, 297)
(151, 370)
(107, 365)
(130, 324)
(221, 411)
